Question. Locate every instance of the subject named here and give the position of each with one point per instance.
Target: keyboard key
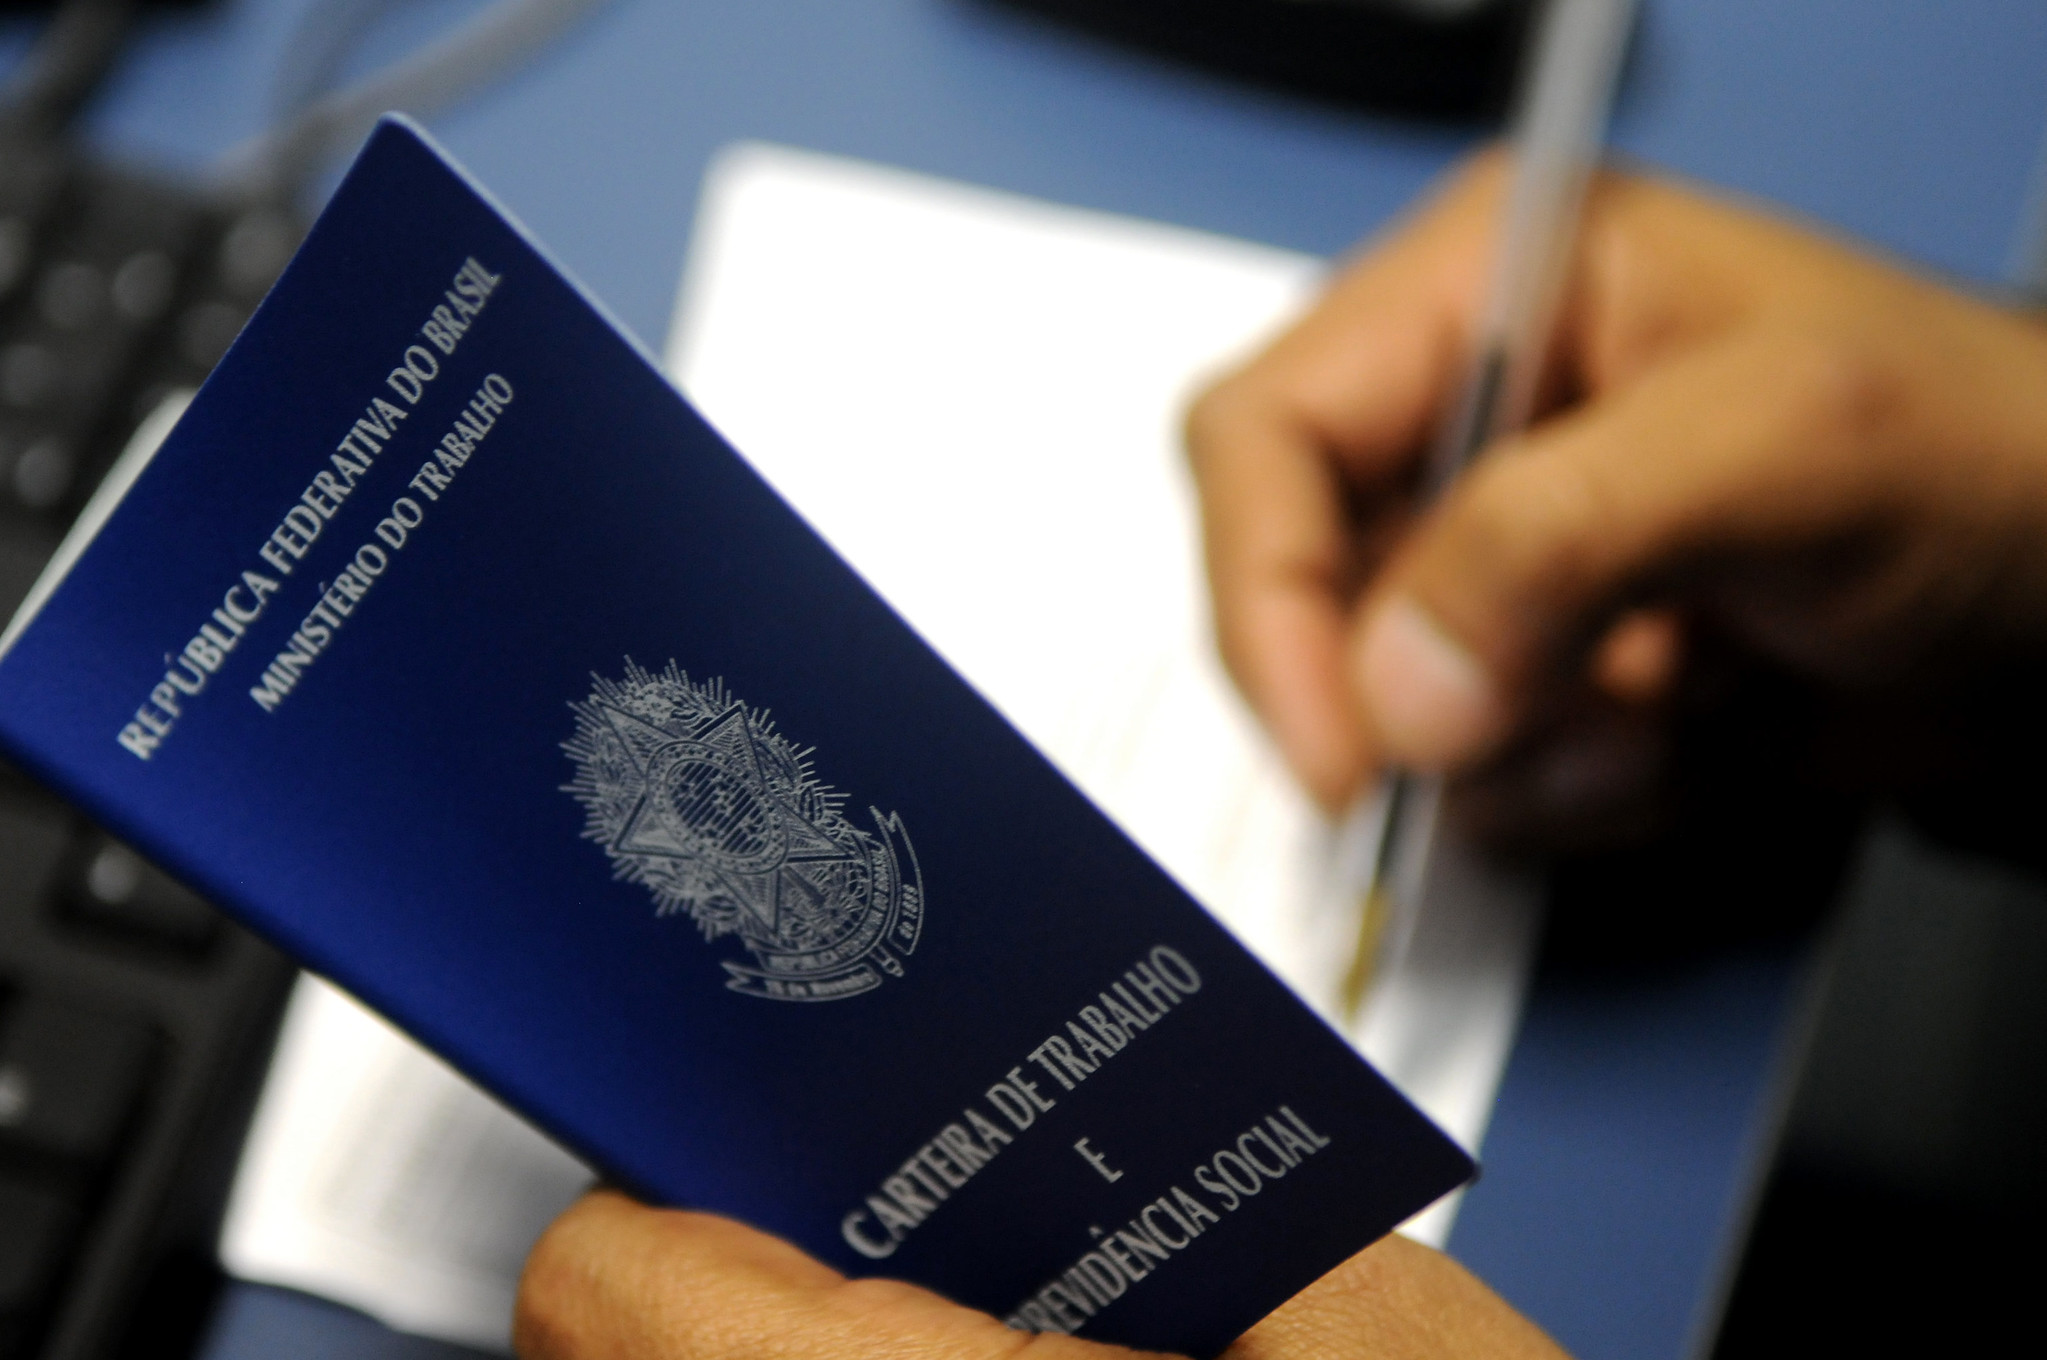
(107, 886)
(143, 284)
(254, 250)
(30, 377)
(74, 295)
(35, 1236)
(114, 289)
(31, 177)
(14, 779)
(70, 1078)
(43, 473)
(32, 845)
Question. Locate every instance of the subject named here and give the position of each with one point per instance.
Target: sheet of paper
(377, 1176)
(975, 398)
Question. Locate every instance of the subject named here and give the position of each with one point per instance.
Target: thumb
(1396, 1300)
(1721, 458)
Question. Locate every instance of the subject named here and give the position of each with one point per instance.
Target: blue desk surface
(1634, 1117)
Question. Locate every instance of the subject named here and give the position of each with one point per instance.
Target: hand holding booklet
(444, 643)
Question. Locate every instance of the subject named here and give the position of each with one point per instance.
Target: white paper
(976, 399)
(376, 1176)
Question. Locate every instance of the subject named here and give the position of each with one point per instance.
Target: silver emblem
(698, 799)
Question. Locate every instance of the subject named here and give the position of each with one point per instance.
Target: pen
(1566, 94)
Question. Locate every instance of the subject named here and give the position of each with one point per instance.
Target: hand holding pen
(1746, 431)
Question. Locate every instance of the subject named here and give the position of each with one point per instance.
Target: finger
(1364, 372)
(1346, 396)
(615, 1280)
(1735, 452)
(1638, 659)
(1396, 1300)
(1277, 549)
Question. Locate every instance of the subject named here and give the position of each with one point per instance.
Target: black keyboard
(135, 1021)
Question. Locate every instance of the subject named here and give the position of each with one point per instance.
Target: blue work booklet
(445, 644)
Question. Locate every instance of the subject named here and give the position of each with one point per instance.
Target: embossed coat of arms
(697, 798)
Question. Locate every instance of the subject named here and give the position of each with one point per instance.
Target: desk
(1634, 1118)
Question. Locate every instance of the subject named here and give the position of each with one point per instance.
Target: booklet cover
(445, 643)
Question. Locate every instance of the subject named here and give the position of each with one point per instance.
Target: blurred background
(1777, 1080)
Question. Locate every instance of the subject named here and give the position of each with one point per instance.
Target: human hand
(1753, 435)
(615, 1280)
